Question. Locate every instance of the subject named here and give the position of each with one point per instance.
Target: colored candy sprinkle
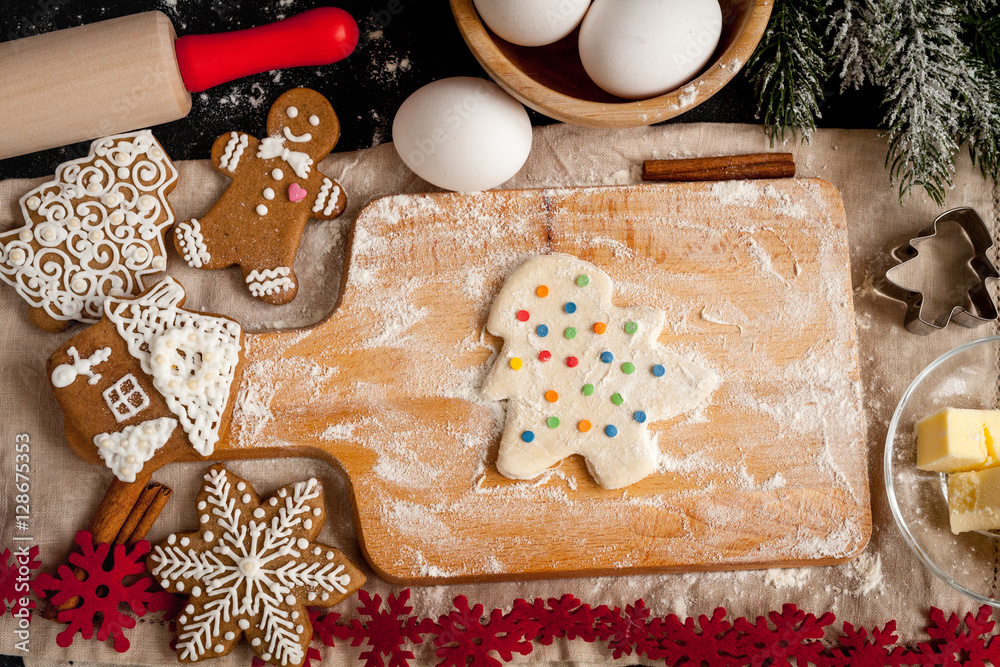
(572, 362)
(610, 430)
(544, 355)
(542, 330)
(552, 396)
(600, 327)
(631, 328)
(587, 390)
(570, 307)
(584, 426)
(639, 416)
(552, 422)
(528, 436)
(570, 332)
(542, 291)
(659, 370)
(628, 368)
(607, 357)
(583, 280)
(523, 315)
(617, 399)
(516, 363)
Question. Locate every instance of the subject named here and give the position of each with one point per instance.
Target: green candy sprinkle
(631, 328)
(552, 422)
(570, 332)
(588, 390)
(617, 399)
(583, 280)
(628, 368)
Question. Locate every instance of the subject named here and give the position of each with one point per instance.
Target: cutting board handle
(320, 36)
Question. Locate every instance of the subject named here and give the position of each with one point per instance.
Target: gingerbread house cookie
(150, 380)
(276, 188)
(95, 230)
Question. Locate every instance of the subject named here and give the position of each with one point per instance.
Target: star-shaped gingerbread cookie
(276, 188)
(251, 570)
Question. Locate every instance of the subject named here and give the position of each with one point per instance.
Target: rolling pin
(133, 72)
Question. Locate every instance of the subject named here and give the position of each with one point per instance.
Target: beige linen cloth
(886, 582)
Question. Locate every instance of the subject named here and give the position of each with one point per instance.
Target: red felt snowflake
(17, 580)
(464, 640)
(952, 646)
(325, 628)
(103, 594)
(682, 644)
(564, 617)
(630, 630)
(855, 649)
(387, 630)
(793, 637)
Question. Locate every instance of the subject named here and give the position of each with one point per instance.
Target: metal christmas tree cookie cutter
(983, 308)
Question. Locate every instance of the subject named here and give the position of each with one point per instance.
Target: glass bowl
(965, 377)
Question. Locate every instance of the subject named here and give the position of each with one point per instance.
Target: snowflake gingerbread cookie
(95, 230)
(148, 374)
(583, 376)
(251, 569)
(276, 187)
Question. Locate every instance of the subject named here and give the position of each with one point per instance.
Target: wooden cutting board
(754, 278)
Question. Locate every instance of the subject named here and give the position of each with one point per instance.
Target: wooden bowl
(551, 79)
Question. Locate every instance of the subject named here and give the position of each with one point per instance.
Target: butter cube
(957, 440)
(974, 500)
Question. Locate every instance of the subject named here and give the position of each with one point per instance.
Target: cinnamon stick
(723, 168)
(124, 516)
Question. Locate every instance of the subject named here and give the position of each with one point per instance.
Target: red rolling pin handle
(319, 36)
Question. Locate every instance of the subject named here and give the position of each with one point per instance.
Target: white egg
(532, 22)
(643, 48)
(462, 134)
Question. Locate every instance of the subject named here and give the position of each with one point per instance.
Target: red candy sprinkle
(572, 362)
(544, 355)
(523, 315)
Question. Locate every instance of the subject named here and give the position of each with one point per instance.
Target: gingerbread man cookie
(251, 569)
(259, 220)
(95, 230)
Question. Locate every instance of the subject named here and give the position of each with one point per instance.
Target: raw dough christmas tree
(583, 377)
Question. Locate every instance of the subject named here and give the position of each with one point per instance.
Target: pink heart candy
(296, 193)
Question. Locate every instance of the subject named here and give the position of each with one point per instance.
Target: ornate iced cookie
(95, 230)
(251, 569)
(582, 376)
(149, 380)
(276, 188)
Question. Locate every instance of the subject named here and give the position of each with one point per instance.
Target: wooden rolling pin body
(94, 80)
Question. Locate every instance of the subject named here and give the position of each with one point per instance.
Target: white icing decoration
(253, 572)
(328, 189)
(191, 357)
(269, 281)
(269, 193)
(261, 209)
(234, 150)
(192, 243)
(128, 450)
(614, 462)
(272, 147)
(292, 112)
(296, 138)
(74, 239)
(65, 374)
(125, 398)
(314, 120)
(277, 174)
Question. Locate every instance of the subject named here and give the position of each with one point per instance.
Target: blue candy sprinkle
(543, 331)
(610, 431)
(639, 416)
(570, 307)
(659, 370)
(527, 436)
(607, 357)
